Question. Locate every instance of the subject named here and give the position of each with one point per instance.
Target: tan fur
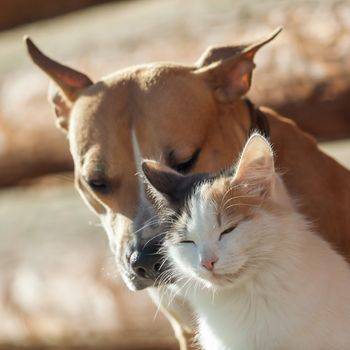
(233, 203)
(236, 202)
(176, 108)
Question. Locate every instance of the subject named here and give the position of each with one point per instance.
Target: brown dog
(193, 119)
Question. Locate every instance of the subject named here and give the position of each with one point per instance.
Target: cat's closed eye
(225, 232)
(187, 241)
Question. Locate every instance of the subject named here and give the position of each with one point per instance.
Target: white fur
(277, 285)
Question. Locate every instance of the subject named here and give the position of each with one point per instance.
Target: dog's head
(188, 117)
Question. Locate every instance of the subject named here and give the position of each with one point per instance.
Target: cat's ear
(256, 169)
(163, 181)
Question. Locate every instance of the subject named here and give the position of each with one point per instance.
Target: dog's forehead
(170, 89)
(169, 104)
(149, 95)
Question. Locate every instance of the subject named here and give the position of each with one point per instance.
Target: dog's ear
(229, 69)
(69, 81)
(61, 106)
(215, 54)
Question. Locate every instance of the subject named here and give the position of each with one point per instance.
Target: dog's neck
(297, 158)
(235, 123)
(258, 120)
(313, 177)
(252, 118)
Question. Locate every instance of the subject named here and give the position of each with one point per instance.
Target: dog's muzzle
(147, 266)
(145, 260)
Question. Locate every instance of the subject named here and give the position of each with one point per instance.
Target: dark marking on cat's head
(165, 184)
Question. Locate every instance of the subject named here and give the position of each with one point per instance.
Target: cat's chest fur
(239, 321)
(235, 319)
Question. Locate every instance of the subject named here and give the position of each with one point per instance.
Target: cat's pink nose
(209, 263)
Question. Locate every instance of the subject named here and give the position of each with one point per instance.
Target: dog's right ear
(228, 69)
(69, 82)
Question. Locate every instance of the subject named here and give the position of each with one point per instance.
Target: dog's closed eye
(100, 185)
(185, 166)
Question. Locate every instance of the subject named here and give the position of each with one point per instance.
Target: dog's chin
(135, 283)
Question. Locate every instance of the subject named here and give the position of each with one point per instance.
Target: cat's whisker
(163, 263)
(230, 188)
(146, 225)
(226, 193)
(162, 278)
(190, 285)
(152, 238)
(179, 291)
(160, 302)
(163, 282)
(168, 276)
(155, 219)
(243, 204)
(235, 198)
(197, 285)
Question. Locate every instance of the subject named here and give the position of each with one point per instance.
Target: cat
(255, 272)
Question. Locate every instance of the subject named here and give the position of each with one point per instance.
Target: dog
(193, 119)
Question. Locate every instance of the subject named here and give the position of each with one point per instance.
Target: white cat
(256, 274)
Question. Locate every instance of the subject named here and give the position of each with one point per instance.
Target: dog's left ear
(229, 68)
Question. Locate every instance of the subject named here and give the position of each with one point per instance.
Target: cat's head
(223, 228)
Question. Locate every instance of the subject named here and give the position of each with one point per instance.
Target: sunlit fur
(276, 284)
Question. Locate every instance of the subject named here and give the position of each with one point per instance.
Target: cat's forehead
(214, 205)
(228, 198)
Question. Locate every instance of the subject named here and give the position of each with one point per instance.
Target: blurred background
(58, 284)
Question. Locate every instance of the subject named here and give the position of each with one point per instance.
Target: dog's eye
(187, 241)
(229, 230)
(99, 185)
(186, 166)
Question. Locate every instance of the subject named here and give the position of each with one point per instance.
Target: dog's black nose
(146, 264)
